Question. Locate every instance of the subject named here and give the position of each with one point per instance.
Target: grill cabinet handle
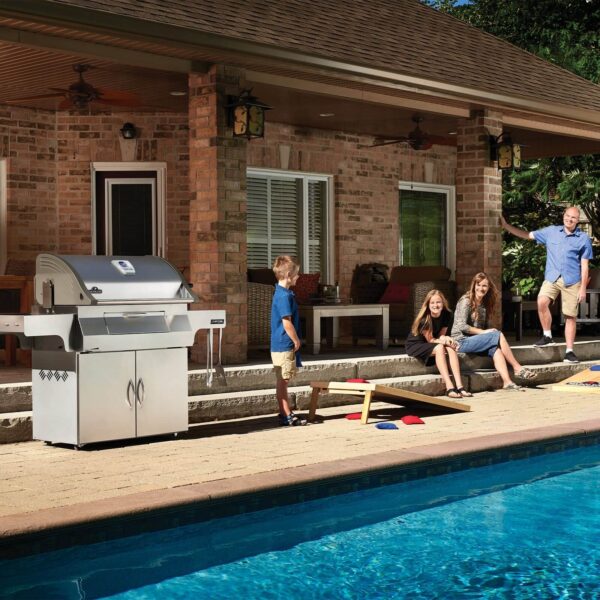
(140, 386)
(129, 387)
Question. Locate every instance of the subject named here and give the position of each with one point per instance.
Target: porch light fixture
(505, 152)
(129, 131)
(247, 115)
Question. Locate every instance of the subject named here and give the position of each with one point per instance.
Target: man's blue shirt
(564, 252)
(284, 305)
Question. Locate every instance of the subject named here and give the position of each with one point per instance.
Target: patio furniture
(16, 296)
(404, 292)
(313, 315)
(374, 391)
(260, 296)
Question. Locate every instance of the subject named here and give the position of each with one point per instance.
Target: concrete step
(16, 397)
(15, 426)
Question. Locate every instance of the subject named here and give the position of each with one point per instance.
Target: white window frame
(329, 275)
(450, 192)
(161, 194)
(3, 217)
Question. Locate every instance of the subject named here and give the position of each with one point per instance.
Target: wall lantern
(247, 115)
(505, 152)
(129, 131)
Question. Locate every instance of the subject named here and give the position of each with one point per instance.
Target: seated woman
(428, 342)
(470, 330)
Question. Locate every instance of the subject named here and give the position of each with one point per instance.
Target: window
(427, 230)
(289, 213)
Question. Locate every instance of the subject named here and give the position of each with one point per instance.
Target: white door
(161, 391)
(106, 396)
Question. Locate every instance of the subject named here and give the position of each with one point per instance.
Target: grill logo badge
(95, 290)
(58, 375)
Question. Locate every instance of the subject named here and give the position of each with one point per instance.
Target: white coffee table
(314, 313)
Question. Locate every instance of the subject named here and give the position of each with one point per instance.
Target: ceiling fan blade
(66, 103)
(59, 90)
(384, 142)
(115, 102)
(39, 97)
(110, 95)
(440, 140)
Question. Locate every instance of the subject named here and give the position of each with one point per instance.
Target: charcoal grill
(109, 337)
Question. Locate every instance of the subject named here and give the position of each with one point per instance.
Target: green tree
(566, 33)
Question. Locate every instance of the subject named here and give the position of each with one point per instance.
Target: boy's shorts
(569, 294)
(284, 364)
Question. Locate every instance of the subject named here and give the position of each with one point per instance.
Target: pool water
(521, 529)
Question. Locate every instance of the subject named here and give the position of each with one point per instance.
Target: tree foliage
(566, 33)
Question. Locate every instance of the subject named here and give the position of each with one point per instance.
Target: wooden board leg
(314, 399)
(366, 407)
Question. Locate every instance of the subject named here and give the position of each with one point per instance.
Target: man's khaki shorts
(569, 294)
(284, 364)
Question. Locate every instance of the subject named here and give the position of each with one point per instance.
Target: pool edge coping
(84, 523)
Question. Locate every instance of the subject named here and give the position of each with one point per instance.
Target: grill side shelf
(48, 326)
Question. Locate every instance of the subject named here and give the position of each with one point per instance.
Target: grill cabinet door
(106, 398)
(162, 391)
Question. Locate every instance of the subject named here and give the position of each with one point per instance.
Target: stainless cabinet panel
(106, 396)
(161, 391)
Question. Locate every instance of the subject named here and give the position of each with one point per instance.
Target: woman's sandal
(454, 391)
(464, 393)
(513, 387)
(524, 373)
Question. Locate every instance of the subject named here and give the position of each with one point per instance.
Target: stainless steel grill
(109, 338)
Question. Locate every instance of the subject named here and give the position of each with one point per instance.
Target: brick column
(478, 200)
(218, 209)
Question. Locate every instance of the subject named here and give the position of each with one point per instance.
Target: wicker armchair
(259, 315)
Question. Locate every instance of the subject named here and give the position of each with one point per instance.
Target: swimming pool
(521, 529)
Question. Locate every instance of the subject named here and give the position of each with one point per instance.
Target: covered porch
(333, 101)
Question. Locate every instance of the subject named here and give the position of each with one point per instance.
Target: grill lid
(80, 280)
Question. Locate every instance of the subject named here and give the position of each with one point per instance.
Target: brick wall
(83, 139)
(478, 200)
(366, 185)
(28, 141)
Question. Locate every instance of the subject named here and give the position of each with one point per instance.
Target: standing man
(569, 251)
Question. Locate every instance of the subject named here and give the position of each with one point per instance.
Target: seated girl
(428, 341)
(470, 330)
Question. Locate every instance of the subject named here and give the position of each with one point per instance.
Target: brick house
(338, 76)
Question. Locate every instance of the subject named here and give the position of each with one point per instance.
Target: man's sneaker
(545, 340)
(570, 357)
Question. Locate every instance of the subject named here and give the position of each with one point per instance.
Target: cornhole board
(578, 383)
(375, 391)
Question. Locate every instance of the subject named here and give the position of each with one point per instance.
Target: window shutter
(258, 223)
(316, 229)
(285, 222)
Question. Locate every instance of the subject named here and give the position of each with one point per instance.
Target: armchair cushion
(395, 292)
(263, 275)
(306, 287)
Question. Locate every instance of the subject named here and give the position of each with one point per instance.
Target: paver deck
(46, 486)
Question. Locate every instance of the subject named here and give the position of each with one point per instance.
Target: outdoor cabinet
(109, 395)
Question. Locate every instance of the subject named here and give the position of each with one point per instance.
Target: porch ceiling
(27, 71)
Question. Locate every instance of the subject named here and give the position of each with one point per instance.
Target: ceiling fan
(417, 139)
(81, 93)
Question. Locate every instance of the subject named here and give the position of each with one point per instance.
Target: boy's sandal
(453, 393)
(464, 393)
(525, 374)
(513, 387)
(291, 420)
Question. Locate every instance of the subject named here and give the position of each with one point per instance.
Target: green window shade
(422, 228)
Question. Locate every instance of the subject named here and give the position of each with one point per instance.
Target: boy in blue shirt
(285, 335)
